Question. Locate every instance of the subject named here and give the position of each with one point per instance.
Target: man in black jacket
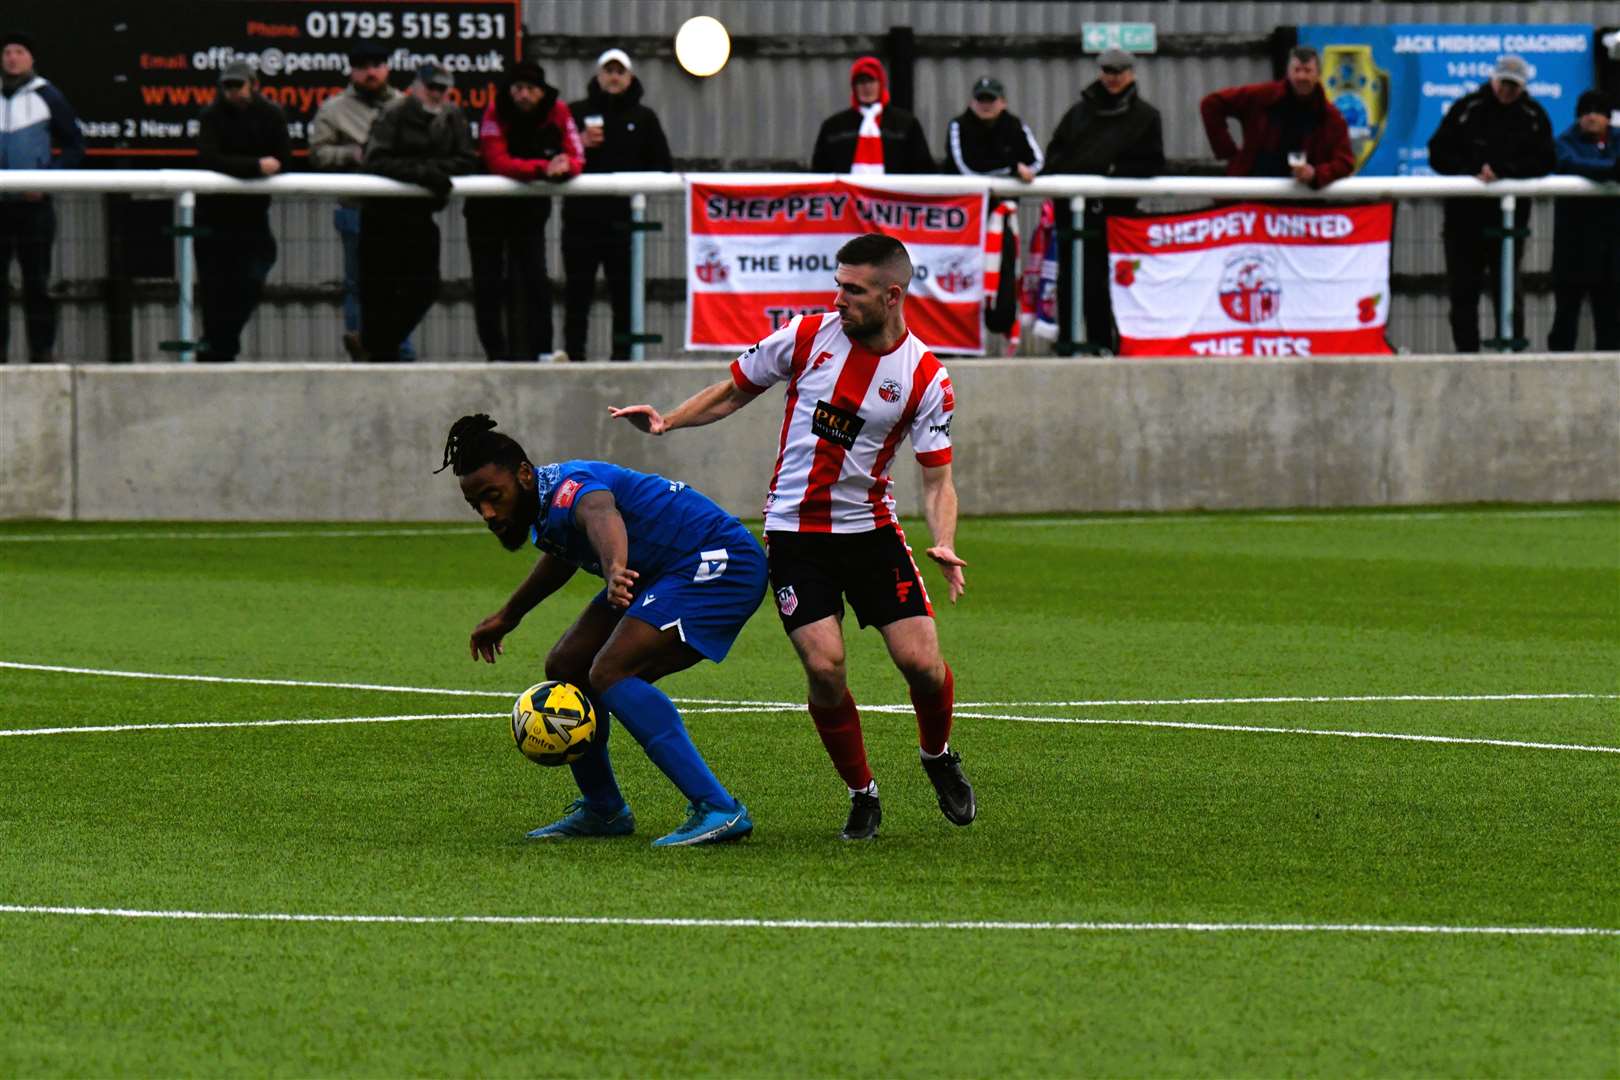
(1497, 132)
(1110, 131)
(242, 135)
(987, 140)
(871, 136)
(420, 139)
(620, 135)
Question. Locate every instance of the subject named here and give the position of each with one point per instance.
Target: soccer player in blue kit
(682, 577)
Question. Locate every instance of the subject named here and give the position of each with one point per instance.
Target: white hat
(615, 54)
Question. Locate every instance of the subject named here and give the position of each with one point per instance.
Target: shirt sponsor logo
(787, 601)
(836, 425)
(565, 494)
(889, 391)
(942, 429)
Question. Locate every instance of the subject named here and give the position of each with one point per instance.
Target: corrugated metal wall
(767, 108)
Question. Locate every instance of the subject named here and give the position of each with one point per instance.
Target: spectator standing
(34, 117)
(421, 139)
(1586, 232)
(337, 143)
(871, 136)
(1110, 131)
(527, 133)
(620, 134)
(1497, 132)
(242, 135)
(1289, 127)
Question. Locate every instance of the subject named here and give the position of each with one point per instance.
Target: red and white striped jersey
(847, 409)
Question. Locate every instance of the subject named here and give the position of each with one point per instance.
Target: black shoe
(955, 793)
(864, 814)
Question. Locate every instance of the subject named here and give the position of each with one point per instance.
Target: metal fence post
(186, 212)
(1504, 284)
(638, 276)
(1077, 273)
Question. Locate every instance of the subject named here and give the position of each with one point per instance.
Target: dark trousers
(511, 296)
(28, 231)
(1098, 305)
(1473, 261)
(1567, 299)
(233, 260)
(399, 276)
(586, 246)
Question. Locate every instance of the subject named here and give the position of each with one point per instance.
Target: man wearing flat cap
(34, 119)
(242, 134)
(1110, 131)
(337, 143)
(1498, 132)
(421, 139)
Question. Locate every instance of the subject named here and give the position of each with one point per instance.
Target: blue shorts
(706, 597)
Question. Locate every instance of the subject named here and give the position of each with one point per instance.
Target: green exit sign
(1132, 37)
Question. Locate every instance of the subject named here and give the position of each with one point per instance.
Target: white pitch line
(1240, 519)
(745, 703)
(103, 728)
(816, 924)
(257, 534)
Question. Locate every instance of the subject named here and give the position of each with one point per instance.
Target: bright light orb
(702, 45)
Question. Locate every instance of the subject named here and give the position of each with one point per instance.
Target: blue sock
(652, 719)
(594, 772)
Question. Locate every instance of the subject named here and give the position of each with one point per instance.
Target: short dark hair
(884, 252)
(1305, 55)
(473, 443)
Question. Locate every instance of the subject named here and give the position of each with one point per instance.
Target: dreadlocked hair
(473, 443)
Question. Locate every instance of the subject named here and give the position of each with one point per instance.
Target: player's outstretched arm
(548, 575)
(604, 526)
(704, 407)
(939, 507)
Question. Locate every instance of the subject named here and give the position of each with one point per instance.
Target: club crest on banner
(1251, 287)
(1359, 89)
(956, 276)
(711, 269)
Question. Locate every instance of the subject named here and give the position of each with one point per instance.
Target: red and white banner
(759, 254)
(1252, 280)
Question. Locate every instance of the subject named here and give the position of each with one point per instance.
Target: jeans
(28, 230)
(347, 221)
(233, 260)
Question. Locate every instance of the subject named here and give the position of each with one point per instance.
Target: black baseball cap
(989, 85)
(368, 52)
(434, 75)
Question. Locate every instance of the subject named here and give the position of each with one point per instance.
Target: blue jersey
(666, 521)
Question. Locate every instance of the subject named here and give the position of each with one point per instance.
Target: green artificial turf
(1078, 642)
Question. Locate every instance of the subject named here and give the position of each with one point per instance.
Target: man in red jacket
(1289, 127)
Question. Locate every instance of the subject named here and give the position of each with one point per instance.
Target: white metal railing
(184, 185)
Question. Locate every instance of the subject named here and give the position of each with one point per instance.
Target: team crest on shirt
(565, 494)
(950, 395)
(787, 601)
(889, 391)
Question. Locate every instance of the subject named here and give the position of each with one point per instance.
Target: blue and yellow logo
(1359, 89)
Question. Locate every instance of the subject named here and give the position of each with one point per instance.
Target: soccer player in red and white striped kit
(858, 382)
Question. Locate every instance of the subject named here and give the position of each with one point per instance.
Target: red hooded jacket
(905, 147)
(1257, 108)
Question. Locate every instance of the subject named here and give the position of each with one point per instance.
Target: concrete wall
(348, 443)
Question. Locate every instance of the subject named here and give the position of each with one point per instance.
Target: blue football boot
(708, 824)
(581, 820)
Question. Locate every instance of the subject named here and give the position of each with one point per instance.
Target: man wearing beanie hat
(242, 134)
(337, 143)
(527, 133)
(421, 139)
(1497, 132)
(34, 116)
(871, 136)
(620, 134)
(1586, 231)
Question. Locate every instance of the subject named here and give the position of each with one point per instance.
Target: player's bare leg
(820, 646)
(914, 647)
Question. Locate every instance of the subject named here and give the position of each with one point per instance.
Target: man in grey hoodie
(337, 143)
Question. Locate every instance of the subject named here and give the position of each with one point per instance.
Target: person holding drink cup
(1289, 126)
(620, 134)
